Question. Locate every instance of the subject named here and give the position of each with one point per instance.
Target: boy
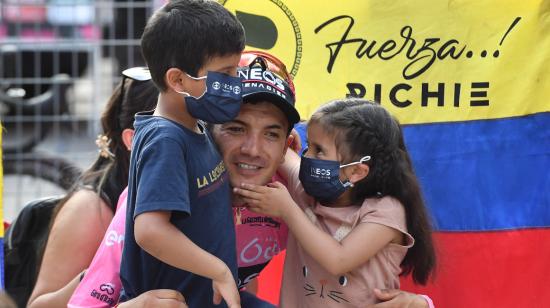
(179, 228)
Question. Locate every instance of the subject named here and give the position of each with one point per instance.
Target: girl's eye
(304, 271)
(319, 154)
(343, 281)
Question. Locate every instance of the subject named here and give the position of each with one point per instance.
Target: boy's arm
(160, 298)
(155, 233)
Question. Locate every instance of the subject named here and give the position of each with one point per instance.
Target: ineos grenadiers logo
(268, 25)
(216, 85)
(237, 90)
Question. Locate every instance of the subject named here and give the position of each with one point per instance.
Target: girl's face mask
(321, 178)
(220, 102)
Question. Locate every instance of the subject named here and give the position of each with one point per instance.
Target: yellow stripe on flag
(427, 61)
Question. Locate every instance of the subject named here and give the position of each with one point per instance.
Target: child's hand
(225, 287)
(272, 200)
(164, 298)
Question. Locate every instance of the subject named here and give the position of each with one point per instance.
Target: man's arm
(400, 299)
(161, 239)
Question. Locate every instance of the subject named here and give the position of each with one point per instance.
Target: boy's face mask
(220, 102)
(321, 178)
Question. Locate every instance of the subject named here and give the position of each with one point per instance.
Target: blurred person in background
(81, 218)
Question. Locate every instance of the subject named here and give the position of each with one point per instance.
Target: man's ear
(359, 172)
(127, 137)
(174, 79)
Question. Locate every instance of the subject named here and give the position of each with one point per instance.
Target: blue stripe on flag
(484, 175)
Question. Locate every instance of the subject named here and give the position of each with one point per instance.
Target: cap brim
(290, 112)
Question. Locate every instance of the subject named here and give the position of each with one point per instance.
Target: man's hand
(225, 287)
(395, 298)
(162, 298)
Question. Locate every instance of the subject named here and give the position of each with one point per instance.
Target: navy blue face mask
(321, 178)
(220, 102)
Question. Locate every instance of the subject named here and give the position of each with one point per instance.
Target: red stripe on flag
(476, 269)
(490, 269)
(269, 280)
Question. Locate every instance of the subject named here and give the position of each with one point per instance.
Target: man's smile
(248, 166)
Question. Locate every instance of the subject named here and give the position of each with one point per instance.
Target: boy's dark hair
(362, 128)
(185, 34)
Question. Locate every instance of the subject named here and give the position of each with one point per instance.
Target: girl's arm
(291, 162)
(363, 242)
(72, 243)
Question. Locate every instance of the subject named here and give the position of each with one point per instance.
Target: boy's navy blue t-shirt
(175, 169)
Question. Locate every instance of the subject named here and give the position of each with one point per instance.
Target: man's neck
(172, 106)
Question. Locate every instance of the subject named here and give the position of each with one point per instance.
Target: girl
(358, 220)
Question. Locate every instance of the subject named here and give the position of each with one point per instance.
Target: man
(253, 145)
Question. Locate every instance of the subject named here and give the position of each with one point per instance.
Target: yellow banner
(426, 60)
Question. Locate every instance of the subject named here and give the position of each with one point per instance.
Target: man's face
(254, 143)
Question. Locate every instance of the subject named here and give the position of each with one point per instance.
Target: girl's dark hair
(109, 175)
(362, 128)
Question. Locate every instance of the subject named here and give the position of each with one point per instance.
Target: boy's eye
(230, 72)
(233, 129)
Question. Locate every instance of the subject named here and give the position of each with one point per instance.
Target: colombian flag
(470, 82)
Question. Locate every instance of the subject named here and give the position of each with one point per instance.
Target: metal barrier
(59, 62)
